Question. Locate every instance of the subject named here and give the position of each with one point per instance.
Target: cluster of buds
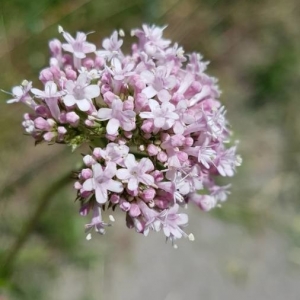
(156, 128)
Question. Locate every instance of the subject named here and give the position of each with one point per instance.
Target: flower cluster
(157, 130)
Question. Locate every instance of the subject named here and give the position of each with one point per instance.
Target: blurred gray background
(248, 249)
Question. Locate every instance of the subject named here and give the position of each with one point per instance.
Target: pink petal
(67, 47)
(164, 96)
(88, 47)
(53, 106)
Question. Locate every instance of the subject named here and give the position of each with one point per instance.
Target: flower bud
(42, 124)
(86, 173)
(148, 194)
(72, 118)
(46, 75)
(152, 150)
(125, 206)
(97, 153)
(55, 47)
(128, 105)
(147, 126)
(49, 136)
(162, 156)
(88, 63)
(99, 62)
(77, 185)
(89, 160)
(114, 198)
(188, 141)
(134, 210)
(71, 74)
(182, 156)
(109, 97)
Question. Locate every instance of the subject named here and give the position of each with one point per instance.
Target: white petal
(83, 105)
(130, 161)
(123, 174)
(101, 194)
(132, 184)
(149, 91)
(88, 185)
(69, 100)
(92, 91)
(112, 126)
(104, 113)
(38, 92)
(114, 186)
(159, 122)
(17, 91)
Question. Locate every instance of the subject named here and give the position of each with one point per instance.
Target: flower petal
(69, 100)
(83, 105)
(114, 186)
(113, 126)
(104, 113)
(92, 91)
(101, 194)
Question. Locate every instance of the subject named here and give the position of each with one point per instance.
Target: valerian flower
(158, 133)
(80, 93)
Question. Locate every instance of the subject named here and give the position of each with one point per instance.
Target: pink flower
(163, 115)
(50, 95)
(136, 172)
(79, 46)
(117, 117)
(102, 182)
(80, 93)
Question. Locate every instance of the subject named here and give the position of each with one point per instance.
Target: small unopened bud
(86, 173)
(162, 156)
(134, 210)
(89, 160)
(89, 237)
(125, 206)
(72, 118)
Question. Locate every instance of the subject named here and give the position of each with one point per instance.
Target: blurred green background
(248, 249)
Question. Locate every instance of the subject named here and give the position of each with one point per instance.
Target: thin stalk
(43, 201)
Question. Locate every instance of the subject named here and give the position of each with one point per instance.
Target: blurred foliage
(254, 47)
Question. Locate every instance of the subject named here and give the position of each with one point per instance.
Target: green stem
(43, 201)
